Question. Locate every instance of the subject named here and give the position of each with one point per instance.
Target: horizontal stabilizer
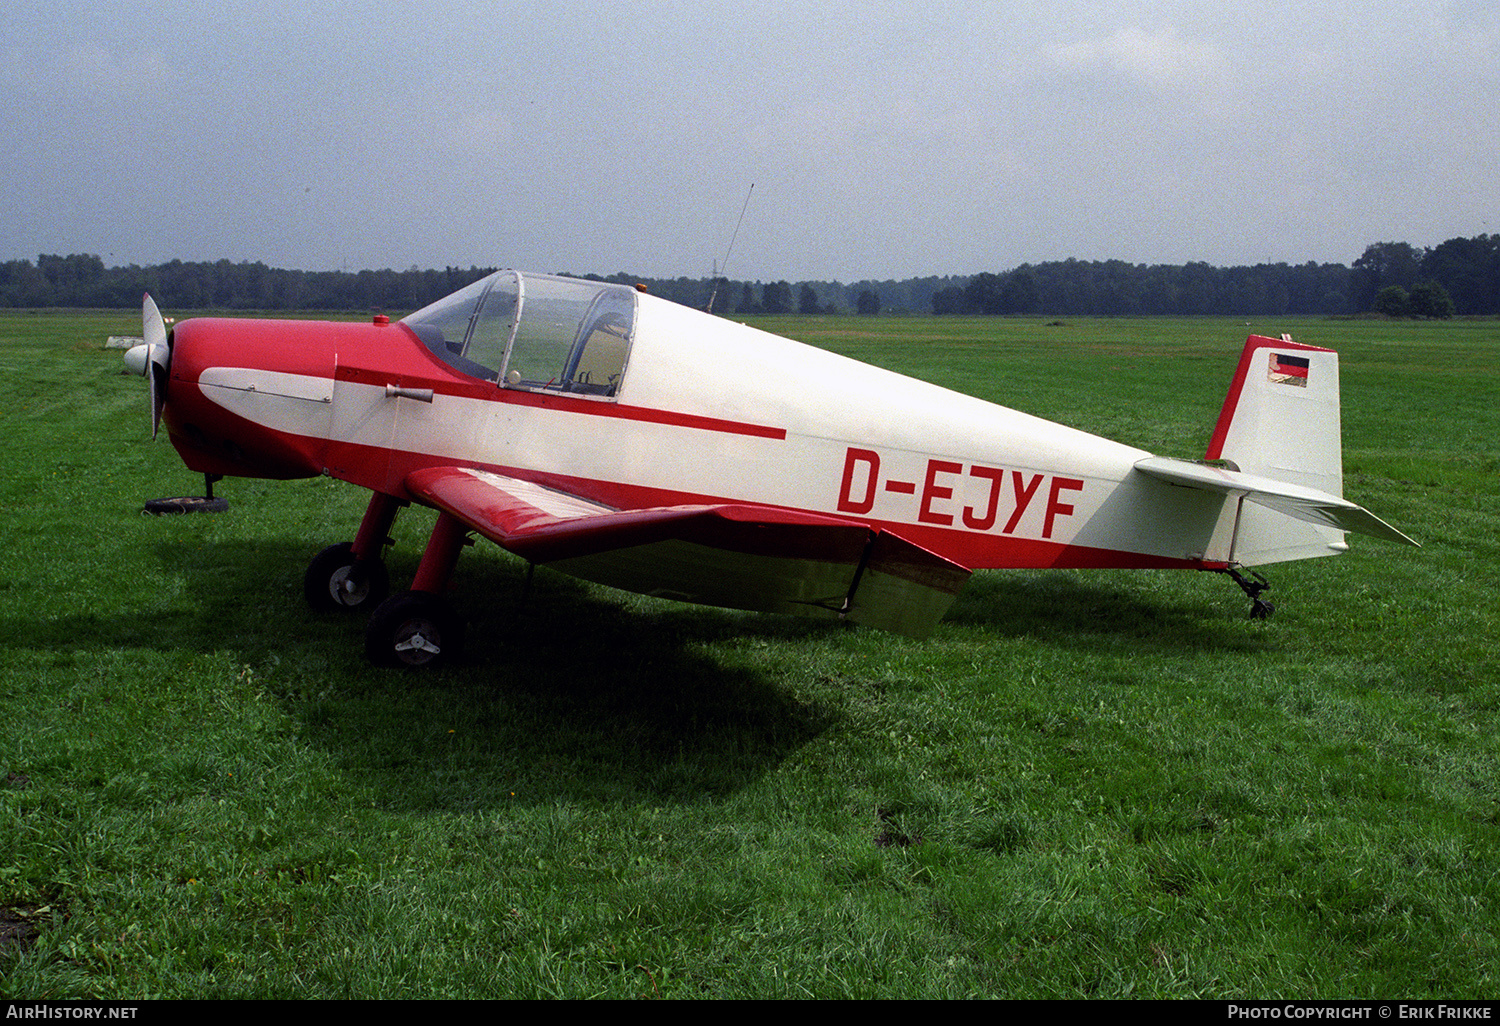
(740, 556)
(1308, 504)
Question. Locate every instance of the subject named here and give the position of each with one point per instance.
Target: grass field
(1092, 784)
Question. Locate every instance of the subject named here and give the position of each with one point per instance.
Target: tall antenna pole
(722, 270)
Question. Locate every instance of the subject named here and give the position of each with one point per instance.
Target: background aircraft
(638, 443)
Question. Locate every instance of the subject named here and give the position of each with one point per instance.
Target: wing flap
(1311, 505)
(735, 555)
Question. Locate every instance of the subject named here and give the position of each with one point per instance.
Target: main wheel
(336, 580)
(414, 629)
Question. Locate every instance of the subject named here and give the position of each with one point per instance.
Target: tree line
(82, 280)
(1459, 277)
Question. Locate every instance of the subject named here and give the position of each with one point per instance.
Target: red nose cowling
(211, 438)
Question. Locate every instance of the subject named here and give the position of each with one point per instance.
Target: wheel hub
(347, 587)
(418, 642)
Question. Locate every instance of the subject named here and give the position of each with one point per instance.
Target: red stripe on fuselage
(672, 418)
(214, 440)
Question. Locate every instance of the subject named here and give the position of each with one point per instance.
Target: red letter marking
(1023, 498)
(932, 490)
(1054, 507)
(996, 478)
(847, 504)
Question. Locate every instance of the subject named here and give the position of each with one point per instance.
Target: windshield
(534, 331)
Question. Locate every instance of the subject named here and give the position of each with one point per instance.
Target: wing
(733, 555)
(1308, 504)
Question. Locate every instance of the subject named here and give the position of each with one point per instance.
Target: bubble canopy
(536, 332)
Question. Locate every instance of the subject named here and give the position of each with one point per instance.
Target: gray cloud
(882, 142)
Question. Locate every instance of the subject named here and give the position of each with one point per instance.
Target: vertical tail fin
(1281, 420)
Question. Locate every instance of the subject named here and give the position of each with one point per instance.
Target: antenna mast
(723, 269)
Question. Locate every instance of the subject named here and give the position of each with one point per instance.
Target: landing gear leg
(1260, 609)
(418, 628)
(351, 575)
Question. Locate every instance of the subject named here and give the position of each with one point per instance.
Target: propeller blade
(153, 328)
(157, 358)
(158, 376)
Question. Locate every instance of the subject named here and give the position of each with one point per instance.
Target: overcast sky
(882, 140)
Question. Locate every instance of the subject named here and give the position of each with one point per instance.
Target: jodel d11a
(632, 441)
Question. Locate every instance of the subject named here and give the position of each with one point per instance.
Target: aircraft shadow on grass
(1066, 610)
(558, 631)
(582, 694)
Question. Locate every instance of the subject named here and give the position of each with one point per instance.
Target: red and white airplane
(629, 440)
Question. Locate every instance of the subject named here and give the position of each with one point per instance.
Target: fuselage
(701, 410)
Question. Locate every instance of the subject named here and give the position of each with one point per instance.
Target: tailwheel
(335, 579)
(1260, 609)
(414, 629)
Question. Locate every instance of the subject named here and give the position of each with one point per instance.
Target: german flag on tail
(1289, 370)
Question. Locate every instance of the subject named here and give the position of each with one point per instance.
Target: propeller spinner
(152, 358)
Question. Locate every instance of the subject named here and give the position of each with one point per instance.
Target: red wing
(734, 555)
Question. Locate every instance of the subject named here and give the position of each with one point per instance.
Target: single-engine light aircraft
(636, 442)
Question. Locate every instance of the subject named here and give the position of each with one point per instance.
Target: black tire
(185, 504)
(336, 580)
(414, 630)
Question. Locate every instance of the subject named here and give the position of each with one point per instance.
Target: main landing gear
(414, 628)
(337, 579)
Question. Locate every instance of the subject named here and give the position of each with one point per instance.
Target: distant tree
(982, 294)
(807, 300)
(1392, 301)
(1019, 294)
(22, 284)
(70, 274)
(1469, 270)
(948, 300)
(1429, 299)
(1383, 264)
(1466, 271)
(776, 297)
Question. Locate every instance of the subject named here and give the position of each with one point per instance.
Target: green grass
(1101, 784)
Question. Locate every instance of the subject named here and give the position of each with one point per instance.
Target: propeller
(152, 358)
